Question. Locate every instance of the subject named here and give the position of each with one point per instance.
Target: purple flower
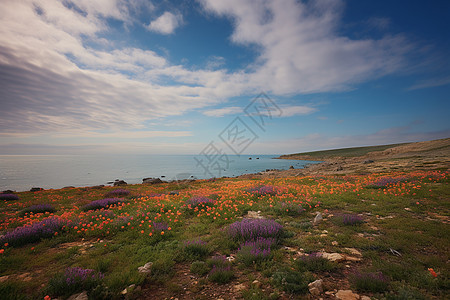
(33, 233)
(386, 181)
(350, 219)
(103, 203)
(160, 226)
(252, 229)
(8, 197)
(39, 208)
(118, 193)
(263, 190)
(199, 200)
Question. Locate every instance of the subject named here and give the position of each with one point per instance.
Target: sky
(236, 76)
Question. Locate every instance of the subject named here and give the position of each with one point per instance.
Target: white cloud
(53, 80)
(435, 82)
(166, 23)
(301, 48)
(295, 110)
(220, 112)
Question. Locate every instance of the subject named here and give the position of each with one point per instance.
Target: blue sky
(168, 77)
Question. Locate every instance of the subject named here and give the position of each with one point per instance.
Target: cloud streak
(58, 72)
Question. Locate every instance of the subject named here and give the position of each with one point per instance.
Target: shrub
(39, 208)
(196, 249)
(263, 190)
(291, 281)
(199, 268)
(289, 209)
(255, 251)
(33, 233)
(220, 269)
(370, 282)
(74, 280)
(198, 201)
(351, 219)
(117, 193)
(314, 263)
(103, 203)
(252, 229)
(8, 197)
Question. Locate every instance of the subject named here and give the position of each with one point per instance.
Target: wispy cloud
(220, 112)
(166, 23)
(435, 82)
(60, 73)
(301, 48)
(296, 110)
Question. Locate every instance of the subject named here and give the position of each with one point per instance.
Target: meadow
(231, 238)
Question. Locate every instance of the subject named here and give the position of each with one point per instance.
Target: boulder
(316, 287)
(119, 183)
(333, 256)
(80, 296)
(317, 219)
(151, 181)
(8, 192)
(146, 269)
(368, 161)
(36, 189)
(346, 295)
(291, 167)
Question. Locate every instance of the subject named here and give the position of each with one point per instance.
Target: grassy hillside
(344, 152)
(387, 234)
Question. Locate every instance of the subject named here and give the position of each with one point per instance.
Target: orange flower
(6, 244)
(162, 232)
(432, 272)
(47, 298)
(1, 251)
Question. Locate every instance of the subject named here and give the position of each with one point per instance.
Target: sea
(22, 172)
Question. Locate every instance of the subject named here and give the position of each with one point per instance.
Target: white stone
(346, 295)
(317, 219)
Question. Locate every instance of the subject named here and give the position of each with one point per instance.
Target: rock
(128, 289)
(291, 167)
(365, 298)
(250, 158)
(110, 182)
(80, 296)
(353, 251)
(256, 283)
(151, 181)
(346, 295)
(351, 258)
(368, 161)
(334, 243)
(36, 189)
(174, 193)
(333, 256)
(147, 268)
(8, 192)
(254, 215)
(239, 287)
(315, 287)
(119, 183)
(317, 219)
(4, 278)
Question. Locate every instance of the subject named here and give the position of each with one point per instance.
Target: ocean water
(22, 172)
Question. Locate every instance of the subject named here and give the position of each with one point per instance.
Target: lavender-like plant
(118, 193)
(351, 219)
(199, 200)
(252, 229)
(263, 190)
(38, 208)
(8, 197)
(33, 233)
(103, 203)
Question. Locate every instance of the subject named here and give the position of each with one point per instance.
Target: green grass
(118, 247)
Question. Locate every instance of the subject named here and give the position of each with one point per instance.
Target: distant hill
(392, 150)
(343, 152)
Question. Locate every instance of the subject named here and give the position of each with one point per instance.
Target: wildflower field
(231, 238)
